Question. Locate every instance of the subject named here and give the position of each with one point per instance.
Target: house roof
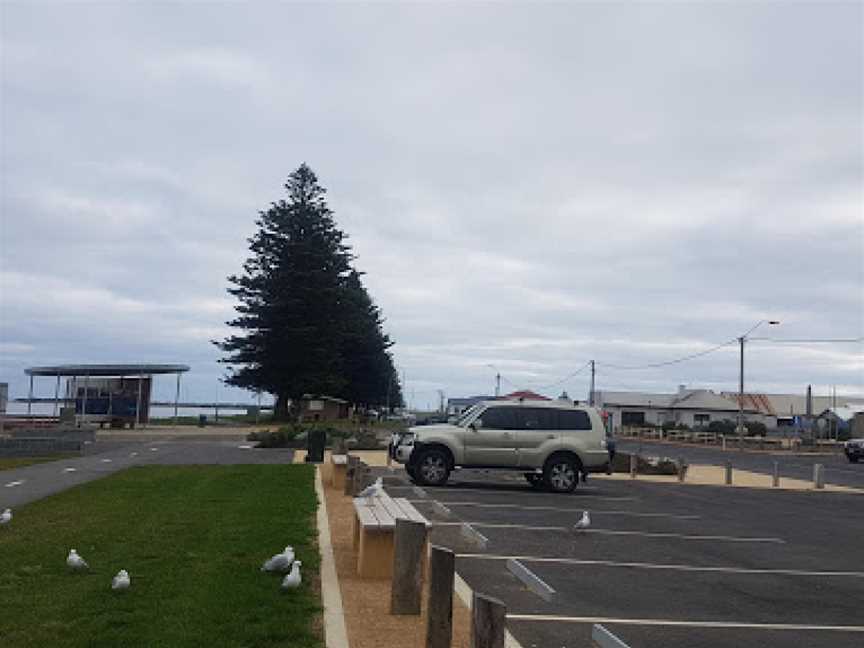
(703, 399)
(786, 405)
(526, 394)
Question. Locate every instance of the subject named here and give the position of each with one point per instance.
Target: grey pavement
(22, 485)
(662, 553)
(838, 470)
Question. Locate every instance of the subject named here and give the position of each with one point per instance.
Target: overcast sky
(526, 186)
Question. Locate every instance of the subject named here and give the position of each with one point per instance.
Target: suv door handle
(507, 434)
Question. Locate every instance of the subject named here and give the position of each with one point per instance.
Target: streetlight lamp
(741, 339)
(497, 379)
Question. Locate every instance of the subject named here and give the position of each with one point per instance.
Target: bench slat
(410, 511)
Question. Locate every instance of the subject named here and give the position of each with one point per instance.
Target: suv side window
(574, 420)
(535, 418)
(500, 418)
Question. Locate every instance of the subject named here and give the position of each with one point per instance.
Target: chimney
(682, 389)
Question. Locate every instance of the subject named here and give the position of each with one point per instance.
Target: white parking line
(691, 568)
(564, 510)
(107, 460)
(245, 446)
(70, 469)
(687, 624)
(153, 449)
(527, 491)
(15, 483)
(643, 534)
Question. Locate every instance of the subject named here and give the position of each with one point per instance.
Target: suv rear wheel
(432, 467)
(561, 474)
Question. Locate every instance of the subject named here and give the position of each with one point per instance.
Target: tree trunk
(280, 411)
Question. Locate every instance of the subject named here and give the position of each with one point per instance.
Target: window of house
(701, 420)
(632, 418)
(500, 418)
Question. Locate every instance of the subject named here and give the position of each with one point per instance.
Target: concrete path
(838, 470)
(22, 485)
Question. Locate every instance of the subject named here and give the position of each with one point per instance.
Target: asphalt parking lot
(662, 564)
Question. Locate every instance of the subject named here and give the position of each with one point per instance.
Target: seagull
(75, 561)
(5, 516)
(583, 523)
(292, 580)
(121, 581)
(376, 488)
(280, 562)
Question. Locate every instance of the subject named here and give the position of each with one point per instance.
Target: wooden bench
(338, 467)
(374, 531)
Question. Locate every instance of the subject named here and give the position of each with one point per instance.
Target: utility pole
(441, 401)
(740, 427)
(497, 384)
(591, 393)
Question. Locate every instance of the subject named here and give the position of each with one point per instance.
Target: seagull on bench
(376, 488)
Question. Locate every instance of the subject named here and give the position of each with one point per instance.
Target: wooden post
(776, 481)
(361, 478)
(439, 622)
(818, 476)
(410, 539)
(728, 472)
(634, 462)
(682, 469)
(353, 462)
(487, 622)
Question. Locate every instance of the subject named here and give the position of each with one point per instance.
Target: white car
(551, 442)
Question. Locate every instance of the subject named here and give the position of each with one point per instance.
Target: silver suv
(551, 442)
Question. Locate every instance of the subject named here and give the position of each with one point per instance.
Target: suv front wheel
(561, 474)
(432, 467)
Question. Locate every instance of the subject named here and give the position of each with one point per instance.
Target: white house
(694, 408)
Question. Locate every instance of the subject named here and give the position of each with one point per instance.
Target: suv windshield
(468, 413)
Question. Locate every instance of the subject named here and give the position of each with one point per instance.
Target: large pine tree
(308, 325)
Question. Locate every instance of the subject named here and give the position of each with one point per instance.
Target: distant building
(323, 408)
(526, 394)
(694, 408)
(780, 410)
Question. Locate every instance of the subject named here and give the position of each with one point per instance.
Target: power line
(809, 341)
(567, 377)
(654, 365)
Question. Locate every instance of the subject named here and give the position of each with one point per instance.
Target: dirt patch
(367, 602)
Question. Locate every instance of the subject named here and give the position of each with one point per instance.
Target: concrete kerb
(335, 633)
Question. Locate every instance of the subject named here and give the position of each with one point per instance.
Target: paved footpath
(838, 470)
(22, 485)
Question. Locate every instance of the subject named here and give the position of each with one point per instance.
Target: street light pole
(739, 429)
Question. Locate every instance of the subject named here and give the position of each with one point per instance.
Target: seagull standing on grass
(75, 561)
(5, 516)
(121, 581)
(292, 580)
(583, 523)
(280, 562)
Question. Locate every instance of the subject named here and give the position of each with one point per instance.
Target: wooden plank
(405, 591)
(409, 511)
(367, 518)
(487, 622)
(439, 622)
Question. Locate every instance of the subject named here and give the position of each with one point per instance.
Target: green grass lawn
(8, 463)
(192, 539)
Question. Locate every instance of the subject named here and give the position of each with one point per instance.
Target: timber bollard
(439, 622)
(634, 462)
(723, 441)
(775, 482)
(487, 622)
(351, 467)
(728, 473)
(682, 469)
(818, 476)
(361, 480)
(405, 594)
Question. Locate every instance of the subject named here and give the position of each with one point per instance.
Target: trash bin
(315, 441)
(202, 420)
